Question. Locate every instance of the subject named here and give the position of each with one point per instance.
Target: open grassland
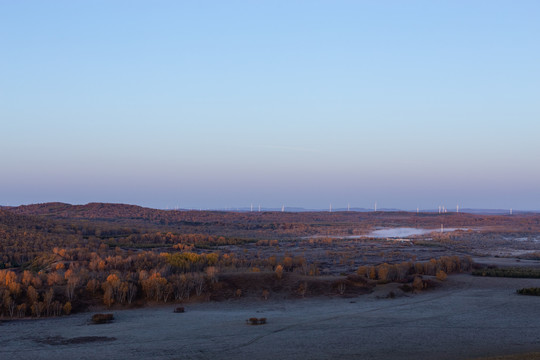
(469, 317)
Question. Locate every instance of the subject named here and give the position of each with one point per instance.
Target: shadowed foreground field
(468, 317)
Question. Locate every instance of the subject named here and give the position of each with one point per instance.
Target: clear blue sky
(211, 104)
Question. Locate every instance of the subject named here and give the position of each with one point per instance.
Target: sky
(223, 104)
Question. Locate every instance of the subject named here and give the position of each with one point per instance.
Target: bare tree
(199, 283)
(9, 304)
(48, 299)
(341, 287)
(132, 292)
(72, 283)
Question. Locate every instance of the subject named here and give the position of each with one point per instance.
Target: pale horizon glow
(217, 105)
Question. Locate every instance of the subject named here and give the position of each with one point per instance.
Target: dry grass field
(468, 317)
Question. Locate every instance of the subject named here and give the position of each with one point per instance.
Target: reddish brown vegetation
(256, 321)
(102, 318)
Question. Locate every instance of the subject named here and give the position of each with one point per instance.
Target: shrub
(302, 289)
(418, 284)
(67, 308)
(529, 291)
(406, 288)
(511, 272)
(255, 321)
(441, 275)
(102, 318)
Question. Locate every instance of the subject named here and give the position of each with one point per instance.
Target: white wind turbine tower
(457, 208)
(251, 208)
(283, 208)
(348, 207)
(375, 206)
(259, 207)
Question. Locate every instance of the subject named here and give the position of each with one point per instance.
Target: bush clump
(441, 275)
(102, 318)
(529, 291)
(256, 321)
(511, 272)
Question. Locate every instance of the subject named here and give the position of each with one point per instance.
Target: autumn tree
(67, 308)
(32, 295)
(362, 270)
(211, 273)
(418, 283)
(108, 296)
(441, 275)
(287, 263)
(48, 300)
(92, 286)
(383, 272)
(302, 289)
(279, 271)
(21, 310)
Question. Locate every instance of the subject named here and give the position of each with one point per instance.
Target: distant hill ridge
(111, 211)
(126, 210)
(246, 224)
(90, 210)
